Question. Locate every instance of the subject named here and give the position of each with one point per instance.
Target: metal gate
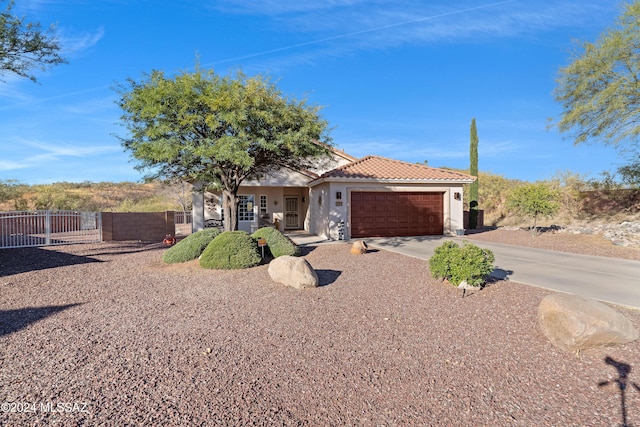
(20, 229)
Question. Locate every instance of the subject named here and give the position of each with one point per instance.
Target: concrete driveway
(605, 279)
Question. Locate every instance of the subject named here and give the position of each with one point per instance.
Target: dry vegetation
(91, 196)
(581, 201)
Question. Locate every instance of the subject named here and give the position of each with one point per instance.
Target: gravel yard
(106, 334)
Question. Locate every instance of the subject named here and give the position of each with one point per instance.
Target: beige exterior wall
(319, 204)
(338, 210)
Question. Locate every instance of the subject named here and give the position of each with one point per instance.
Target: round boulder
(293, 271)
(359, 247)
(574, 323)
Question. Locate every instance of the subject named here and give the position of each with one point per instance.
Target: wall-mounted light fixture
(457, 196)
(338, 195)
(302, 199)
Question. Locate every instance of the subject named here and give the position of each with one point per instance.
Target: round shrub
(468, 263)
(277, 243)
(231, 250)
(190, 247)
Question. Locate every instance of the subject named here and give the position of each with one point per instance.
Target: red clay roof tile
(381, 168)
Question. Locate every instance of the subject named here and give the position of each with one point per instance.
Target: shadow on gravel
(306, 249)
(22, 260)
(327, 277)
(128, 248)
(13, 320)
(622, 382)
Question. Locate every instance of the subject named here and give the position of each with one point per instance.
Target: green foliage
(146, 204)
(191, 247)
(11, 189)
(20, 204)
(50, 198)
(277, 243)
(534, 200)
(599, 89)
(25, 46)
(468, 263)
(630, 175)
(219, 130)
(473, 170)
(231, 250)
(492, 196)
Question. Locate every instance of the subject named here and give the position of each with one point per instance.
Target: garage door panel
(387, 214)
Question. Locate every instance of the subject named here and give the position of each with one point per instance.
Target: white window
(245, 208)
(263, 204)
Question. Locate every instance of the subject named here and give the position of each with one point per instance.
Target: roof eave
(389, 181)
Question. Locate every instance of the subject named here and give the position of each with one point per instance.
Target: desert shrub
(468, 263)
(231, 250)
(277, 243)
(534, 201)
(191, 247)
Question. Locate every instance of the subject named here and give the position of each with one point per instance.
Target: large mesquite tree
(219, 130)
(25, 45)
(599, 90)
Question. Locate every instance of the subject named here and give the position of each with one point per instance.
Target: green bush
(231, 250)
(191, 247)
(457, 264)
(277, 243)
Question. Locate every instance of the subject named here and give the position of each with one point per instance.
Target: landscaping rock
(293, 271)
(574, 323)
(359, 247)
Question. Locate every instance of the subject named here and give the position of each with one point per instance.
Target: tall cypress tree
(473, 170)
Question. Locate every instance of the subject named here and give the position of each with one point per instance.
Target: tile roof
(381, 168)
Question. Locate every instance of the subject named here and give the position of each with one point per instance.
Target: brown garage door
(382, 214)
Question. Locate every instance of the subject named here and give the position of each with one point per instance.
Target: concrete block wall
(144, 226)
(480, 219)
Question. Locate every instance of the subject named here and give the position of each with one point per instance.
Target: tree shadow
(499, 274)
(22, 260)
(127, 248)
(484, 229)
(622, 381)
(396, 242)
(327, 277)
(306, 249)
(13, 320)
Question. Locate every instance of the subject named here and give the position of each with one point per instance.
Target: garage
(389, 214)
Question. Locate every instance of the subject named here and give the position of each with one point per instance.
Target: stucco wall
(337, 210)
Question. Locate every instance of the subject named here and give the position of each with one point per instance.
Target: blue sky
(399, 79)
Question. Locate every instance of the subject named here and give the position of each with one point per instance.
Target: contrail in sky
(357, 33)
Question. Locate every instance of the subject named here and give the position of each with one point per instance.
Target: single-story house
(348, 198)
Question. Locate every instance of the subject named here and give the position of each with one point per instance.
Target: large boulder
(359, 247)
(574, 323)
(293, 271)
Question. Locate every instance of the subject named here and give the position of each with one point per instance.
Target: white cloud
(341, 27)
(43, 154)
(73, 44)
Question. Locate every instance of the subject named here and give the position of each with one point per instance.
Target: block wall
(144, 226)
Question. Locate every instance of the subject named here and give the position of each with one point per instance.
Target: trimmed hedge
(231, 250)
(277, 243)
(457, 264)
(191, 247)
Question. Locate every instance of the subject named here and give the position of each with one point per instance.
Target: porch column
(197, 201)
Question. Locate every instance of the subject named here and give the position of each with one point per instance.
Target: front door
(246, 213)
(291, 214)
